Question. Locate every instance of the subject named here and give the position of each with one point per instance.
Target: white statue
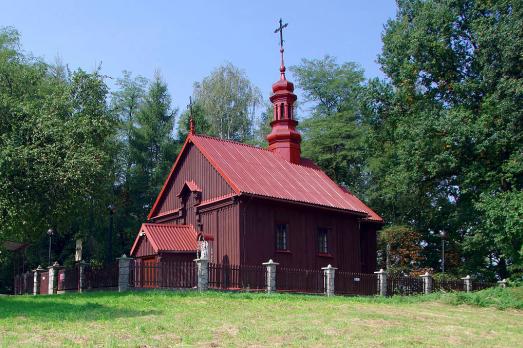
(78, 253)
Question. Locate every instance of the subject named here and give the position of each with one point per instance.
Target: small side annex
(165, 242)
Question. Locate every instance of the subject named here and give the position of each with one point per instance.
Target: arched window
(282, 111)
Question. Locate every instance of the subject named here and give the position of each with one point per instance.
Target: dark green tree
(333, 134)
(153, 145)
(447, 144)
(56, 148)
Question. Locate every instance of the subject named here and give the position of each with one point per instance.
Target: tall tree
(126, 102)
(333, 132)
(455, 126)
(229, 101)
(56, 143)
(153, 143)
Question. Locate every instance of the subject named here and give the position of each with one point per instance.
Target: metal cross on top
(280, 29)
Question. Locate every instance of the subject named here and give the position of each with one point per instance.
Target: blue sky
(186, 40)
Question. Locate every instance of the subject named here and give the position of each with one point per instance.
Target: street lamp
(443, 234)
(111, 208)
(50, 233)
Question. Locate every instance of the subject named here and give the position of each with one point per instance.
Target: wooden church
(253, 204)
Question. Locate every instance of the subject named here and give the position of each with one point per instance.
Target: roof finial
(280, 29)
(191, 121)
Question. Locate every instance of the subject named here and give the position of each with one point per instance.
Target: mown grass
(163, 318)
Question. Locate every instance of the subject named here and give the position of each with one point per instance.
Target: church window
(282, 237)
(282, 111)
(323, 242)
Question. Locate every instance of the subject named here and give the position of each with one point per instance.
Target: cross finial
(280, 30)
(191, 122)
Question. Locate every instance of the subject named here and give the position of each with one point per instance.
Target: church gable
(191, 171)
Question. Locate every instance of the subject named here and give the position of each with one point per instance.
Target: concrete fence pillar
(81, 275)
(382, 282)
(36, 279)
(271, 275)
(427, 283)
(53, 278)
(502, 283)
(467, 283)
(124, 270)
(203, 274)
(328, 279)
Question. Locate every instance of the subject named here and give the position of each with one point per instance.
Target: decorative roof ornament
(280, 30)
(191, 121)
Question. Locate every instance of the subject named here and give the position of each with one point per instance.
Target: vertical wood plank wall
(194, 166)
(259, 217)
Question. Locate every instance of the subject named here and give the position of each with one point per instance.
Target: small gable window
(282, 237)
(323, 240)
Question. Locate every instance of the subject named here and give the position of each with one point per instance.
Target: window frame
(285, 237)
(322, 244)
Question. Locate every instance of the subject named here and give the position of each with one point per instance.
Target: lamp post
(50, 233)
(111, 208)
(443, 235)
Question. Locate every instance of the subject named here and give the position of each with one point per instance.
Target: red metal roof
(260, 172)
(168, 237)
(257, 171)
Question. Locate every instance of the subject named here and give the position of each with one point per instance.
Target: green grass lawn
(160, 318)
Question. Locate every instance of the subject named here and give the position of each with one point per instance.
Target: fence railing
(348, 283)
(170, 274)
(101, 277)
(300, 280)
(69, 279)
(129, 273)
(404, 285)
(24, 283)
(448, 285)
(236, 277)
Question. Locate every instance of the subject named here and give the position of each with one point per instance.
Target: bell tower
(284, 140)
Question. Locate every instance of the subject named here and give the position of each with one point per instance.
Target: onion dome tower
(284, 140)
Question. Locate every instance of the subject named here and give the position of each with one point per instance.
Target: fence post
(502, 283)
(81, 275)
(53, 277)
(328, 279)
(427, 283)
(270, 277)
(467, 282)
(36, 279)
(124, 263)
(203, 274)
(382, 282)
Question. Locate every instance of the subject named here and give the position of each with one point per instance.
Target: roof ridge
(258, 148)
(231, 141)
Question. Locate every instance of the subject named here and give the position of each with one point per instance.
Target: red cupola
(284, 140)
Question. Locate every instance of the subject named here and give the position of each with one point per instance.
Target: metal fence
(24, 283)
(299, 280)
(448, 285)
(167, 275)
(480, 285)
(236, 277)
(69, 279)
(404, 285)
(184, 274)
(348, 283)
(103, 277)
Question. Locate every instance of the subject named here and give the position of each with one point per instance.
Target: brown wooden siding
(369, 246)
(258, 219)
(193, 166)
(223, 225)
(176, 257)
(144, 248)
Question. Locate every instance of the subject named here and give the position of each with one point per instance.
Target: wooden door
(44, 283)
(150, 272)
